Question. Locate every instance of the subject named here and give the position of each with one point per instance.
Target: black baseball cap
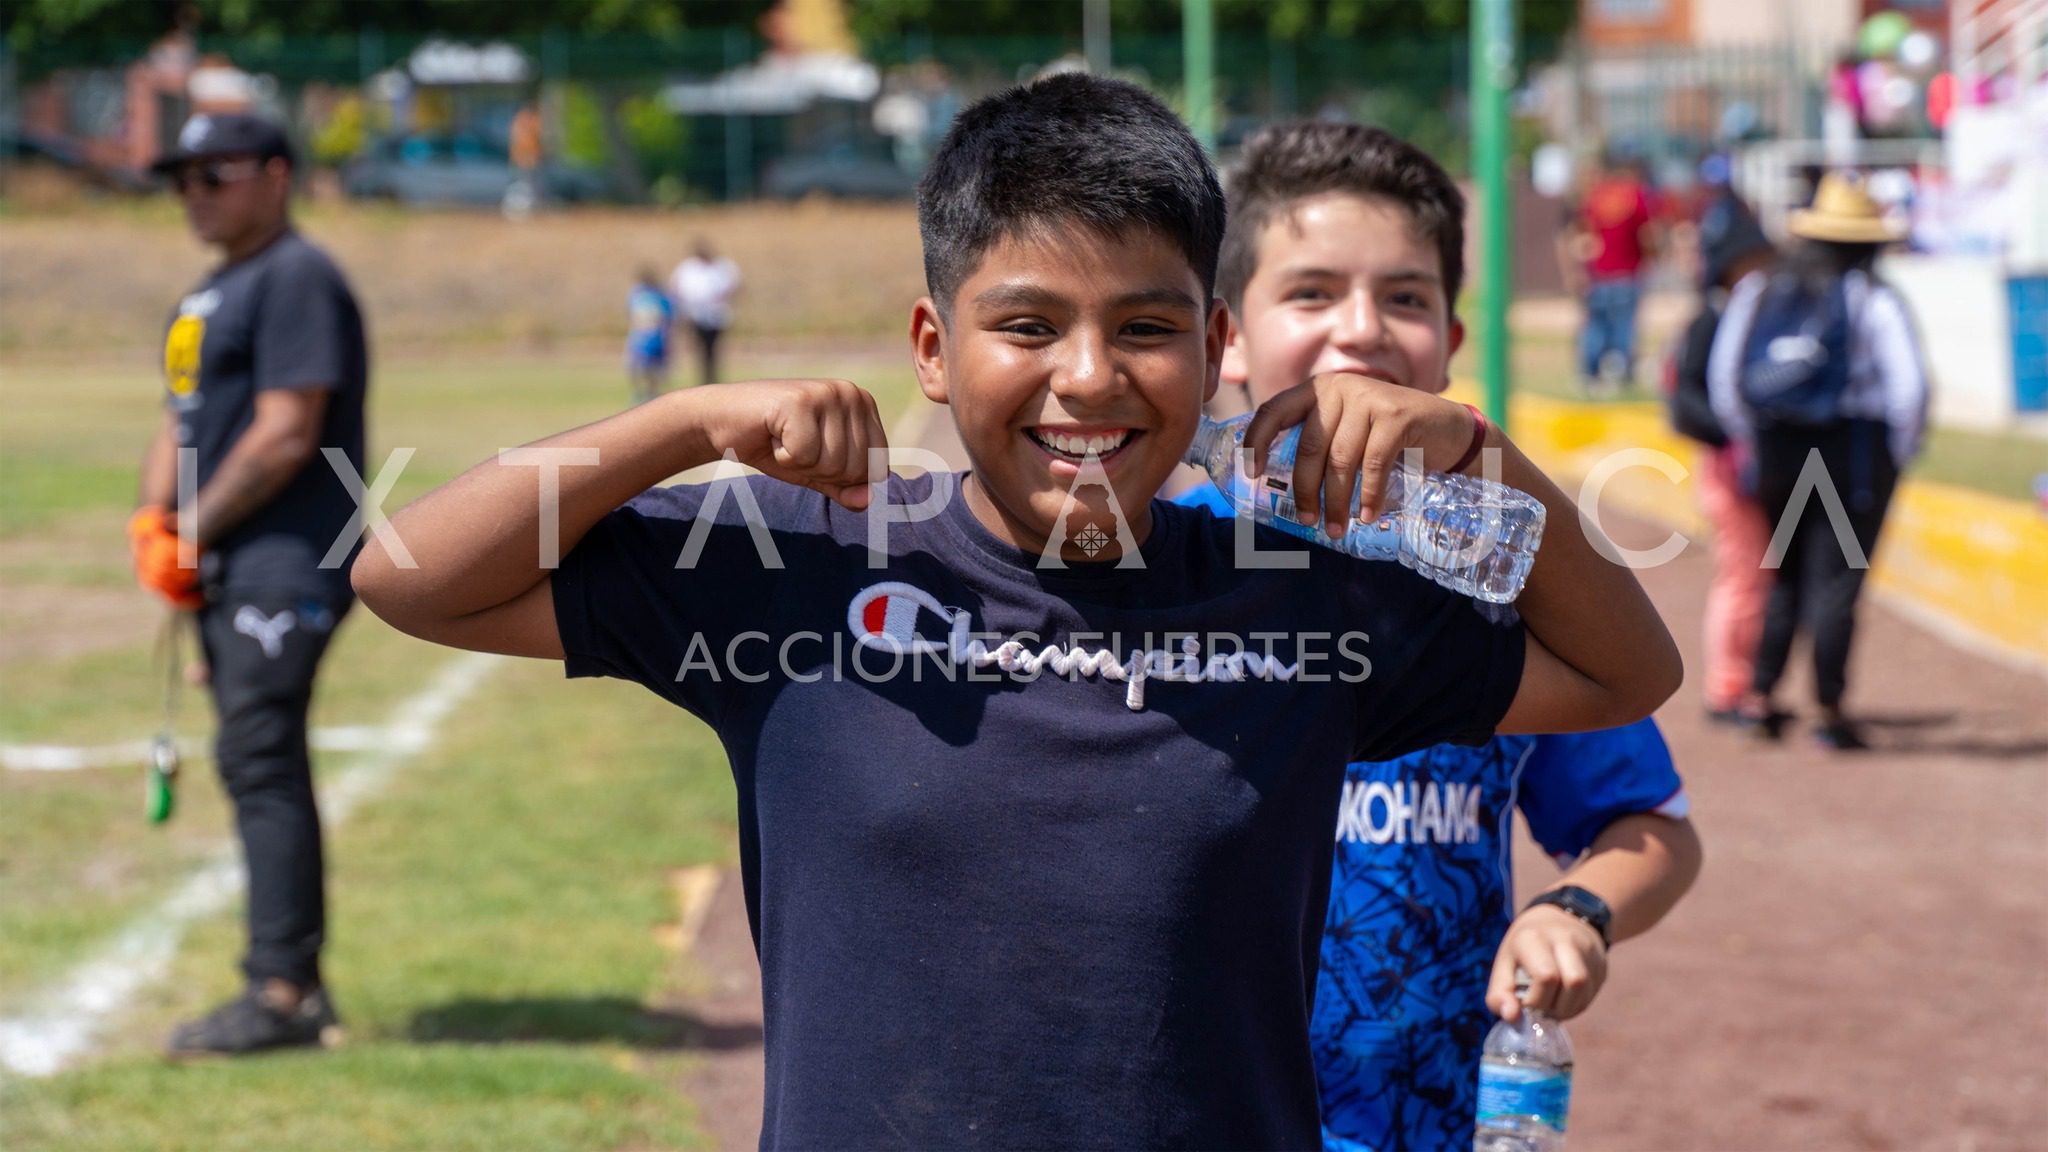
(214, 136)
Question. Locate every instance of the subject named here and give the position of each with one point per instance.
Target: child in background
(1606, 251)
(649, 315)
(1732, 245)
(705, 284)
(1344, 254)
(1035, 779)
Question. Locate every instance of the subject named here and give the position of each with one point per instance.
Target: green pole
(1198, 52)
(1493, 73)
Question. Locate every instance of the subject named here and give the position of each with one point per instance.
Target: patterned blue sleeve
(1205, 495)
(1575, 785)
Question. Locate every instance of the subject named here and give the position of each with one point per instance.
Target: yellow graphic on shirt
(181, 354)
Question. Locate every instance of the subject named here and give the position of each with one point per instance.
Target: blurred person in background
(265, 367)
(523, 146)
(1731, 246)
(1817, 373)
(704, 285)
(1608, 244)
(649, 316)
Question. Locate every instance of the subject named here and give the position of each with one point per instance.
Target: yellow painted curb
(1972, 564)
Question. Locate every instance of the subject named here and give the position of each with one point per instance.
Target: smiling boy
(1345, 255)
(1034, 783)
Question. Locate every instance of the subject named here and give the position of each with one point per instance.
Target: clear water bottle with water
(1471, 535)
(1525, 1084)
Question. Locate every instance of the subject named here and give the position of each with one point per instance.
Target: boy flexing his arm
(1036, 852)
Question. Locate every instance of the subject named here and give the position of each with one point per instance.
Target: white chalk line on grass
(133, 753)
(66, 1017)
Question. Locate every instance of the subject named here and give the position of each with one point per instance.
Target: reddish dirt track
(1863, 965)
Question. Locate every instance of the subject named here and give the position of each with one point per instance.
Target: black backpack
(1795, 357)
(1686, 400)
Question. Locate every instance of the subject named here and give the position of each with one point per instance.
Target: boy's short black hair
(1068, 149)
(1285, 163)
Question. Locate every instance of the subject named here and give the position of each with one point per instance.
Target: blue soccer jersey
(649, 315)
(1420, 897)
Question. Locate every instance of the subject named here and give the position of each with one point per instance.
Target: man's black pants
(264, 650)
(1818, 585)
(707, 352)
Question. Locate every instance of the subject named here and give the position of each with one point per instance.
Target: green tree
(46, 23)
(876, 21)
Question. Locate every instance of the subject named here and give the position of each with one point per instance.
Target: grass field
(102, 279)
(493, 942)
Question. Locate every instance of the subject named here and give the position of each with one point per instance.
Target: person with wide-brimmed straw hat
(1843, 213)
(1816, 374)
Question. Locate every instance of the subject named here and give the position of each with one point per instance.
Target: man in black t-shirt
(265, 369)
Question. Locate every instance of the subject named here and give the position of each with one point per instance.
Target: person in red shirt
(1608, 243)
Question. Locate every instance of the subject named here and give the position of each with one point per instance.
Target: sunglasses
(212, 176)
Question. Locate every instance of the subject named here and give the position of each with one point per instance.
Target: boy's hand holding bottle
(1336, 449)
(1355, 428)
(1561, 956)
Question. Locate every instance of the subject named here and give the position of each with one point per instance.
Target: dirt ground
(1861, 966)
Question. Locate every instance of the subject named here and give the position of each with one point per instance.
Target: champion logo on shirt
(905, 620)
(887, 617)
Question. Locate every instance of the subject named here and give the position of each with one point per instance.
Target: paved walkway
(1864, 963)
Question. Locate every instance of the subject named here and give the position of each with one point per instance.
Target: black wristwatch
(1581, 903)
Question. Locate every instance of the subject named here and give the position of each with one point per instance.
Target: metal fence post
(1095, 35)
(1198, 50)
(1492, 72)
(739, 130)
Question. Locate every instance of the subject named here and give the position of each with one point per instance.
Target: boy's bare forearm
(1640, 865)
(1590, 614)
(476, 540)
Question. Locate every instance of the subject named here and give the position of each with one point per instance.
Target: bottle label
(1520, 1090)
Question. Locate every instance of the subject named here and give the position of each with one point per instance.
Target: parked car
(842, 170)
(460, 168)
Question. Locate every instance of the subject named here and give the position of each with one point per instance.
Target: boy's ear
(1225, 355)
(928, 349)
(1454, 339)
(1236, 367)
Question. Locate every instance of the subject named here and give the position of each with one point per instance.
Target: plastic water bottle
(1471, 535)
(1525, 1084)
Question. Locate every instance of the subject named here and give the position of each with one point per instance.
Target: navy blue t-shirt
(1033, 858)
(283, 318)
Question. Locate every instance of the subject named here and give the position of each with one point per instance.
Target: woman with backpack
(1816, 372)
(1732, 245)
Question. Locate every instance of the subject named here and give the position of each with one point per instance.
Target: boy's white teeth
(1070, 444)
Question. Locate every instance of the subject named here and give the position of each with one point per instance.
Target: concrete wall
(1759, 21)
(1625, 23)
(1963, 318)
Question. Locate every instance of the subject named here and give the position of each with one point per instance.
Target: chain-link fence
(694, 117)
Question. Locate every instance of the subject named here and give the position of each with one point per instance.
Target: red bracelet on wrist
(1480, 426)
